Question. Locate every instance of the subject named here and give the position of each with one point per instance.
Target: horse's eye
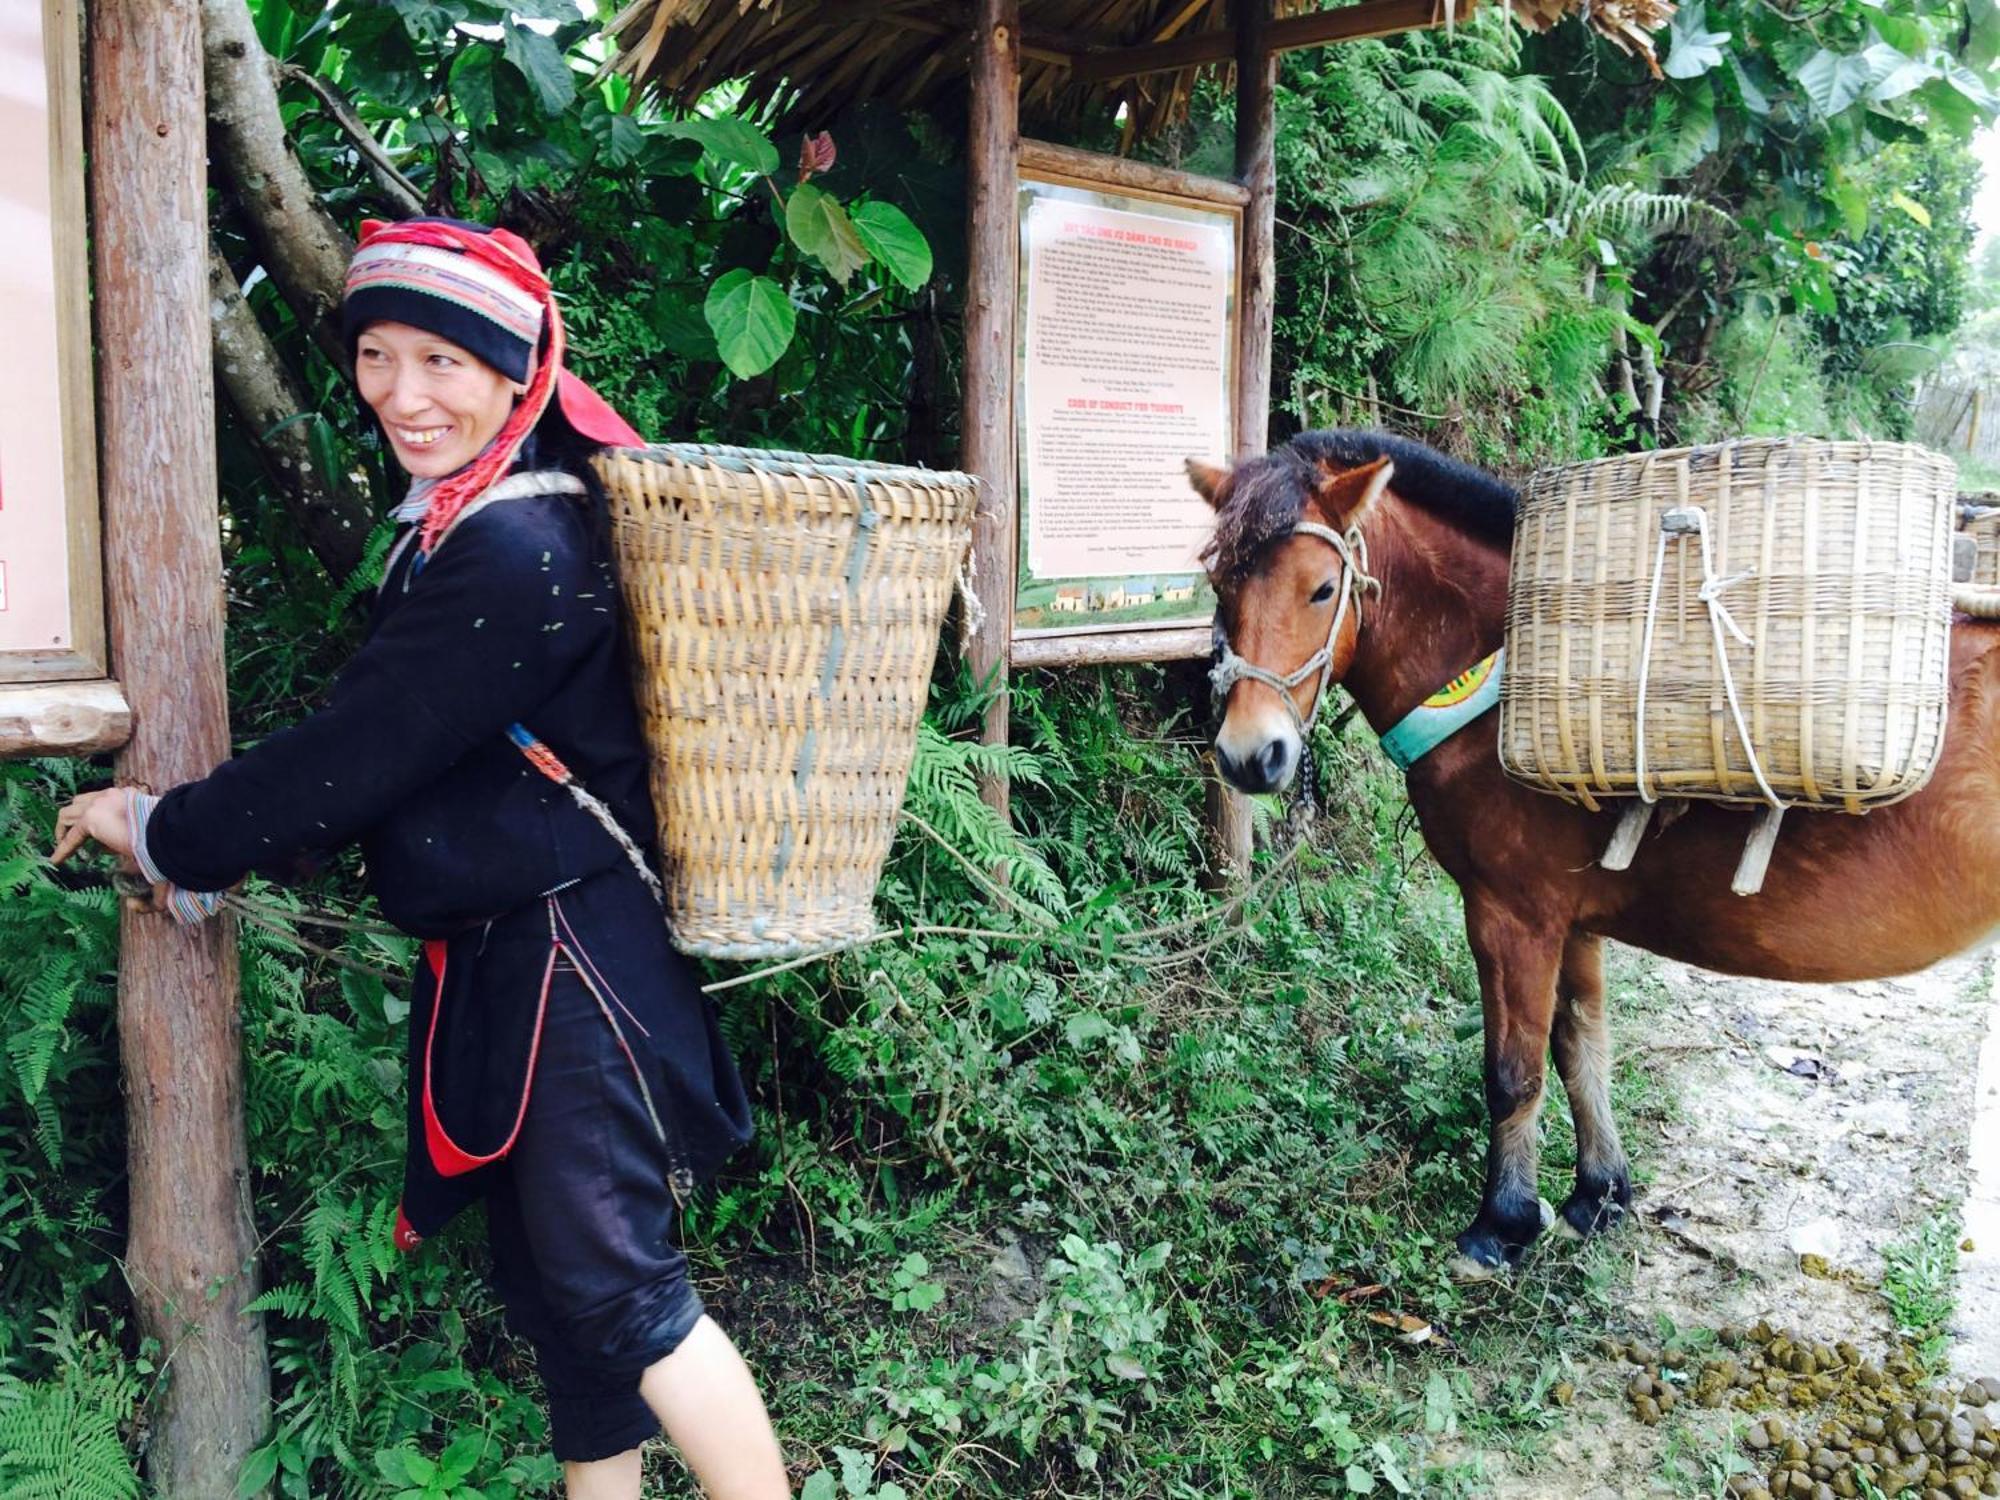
(1323, 593)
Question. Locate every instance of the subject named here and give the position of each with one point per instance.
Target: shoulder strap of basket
(525, 486)
(539, 755)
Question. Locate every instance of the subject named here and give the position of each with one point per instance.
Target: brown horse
(1845, 897)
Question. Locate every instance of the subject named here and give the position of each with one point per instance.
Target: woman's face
(439, 404)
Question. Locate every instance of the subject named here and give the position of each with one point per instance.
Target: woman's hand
(102, 816)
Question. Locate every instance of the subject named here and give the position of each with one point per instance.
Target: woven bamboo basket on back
(1799, 595)
(784, 611)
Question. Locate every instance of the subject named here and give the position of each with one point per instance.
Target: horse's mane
(1268, 494)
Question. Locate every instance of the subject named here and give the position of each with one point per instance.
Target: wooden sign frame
(55, 696)
(1135, 183)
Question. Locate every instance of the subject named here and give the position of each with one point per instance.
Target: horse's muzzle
(1264, 769)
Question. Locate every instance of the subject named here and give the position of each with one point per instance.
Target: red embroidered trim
(451, 1159)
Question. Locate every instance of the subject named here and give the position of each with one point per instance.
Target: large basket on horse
(1765, 621)
(1978, 591)
(784, 611)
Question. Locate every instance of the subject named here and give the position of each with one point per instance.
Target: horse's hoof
(1586, 1213)
(1464, 1268)
(1547, 1210)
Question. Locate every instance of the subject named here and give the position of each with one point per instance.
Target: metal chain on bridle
(1356, 583)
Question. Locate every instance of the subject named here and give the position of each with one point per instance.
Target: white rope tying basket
(1765, 621)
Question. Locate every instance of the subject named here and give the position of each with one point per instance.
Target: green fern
(63, 1438)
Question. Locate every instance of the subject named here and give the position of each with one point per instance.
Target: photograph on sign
(1126, 370)
(49, 625)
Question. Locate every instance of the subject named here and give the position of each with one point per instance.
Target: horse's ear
(1345, 497)
(1207, 479)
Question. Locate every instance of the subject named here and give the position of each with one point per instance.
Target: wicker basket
(1982, 524)
(1832, 559)
(784, 612)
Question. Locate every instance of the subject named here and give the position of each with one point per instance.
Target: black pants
(580, 1217)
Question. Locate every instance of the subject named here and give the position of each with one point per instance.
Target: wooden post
(190, 1250)
(1257, 170)
(992, 249)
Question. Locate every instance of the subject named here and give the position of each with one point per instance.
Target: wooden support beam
(1257, 171)
(63, 718)
(190, 1255)
(1314, 29)
(992, 251)
(1113, 647)
(1122, 171)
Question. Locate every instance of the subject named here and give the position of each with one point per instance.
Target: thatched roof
(817, 56)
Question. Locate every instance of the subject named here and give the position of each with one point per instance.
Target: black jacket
(514, 618)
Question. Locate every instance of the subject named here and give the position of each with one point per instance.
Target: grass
(1920, 1284)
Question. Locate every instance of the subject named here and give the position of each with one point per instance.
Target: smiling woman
(438, 404)
(564, 1066)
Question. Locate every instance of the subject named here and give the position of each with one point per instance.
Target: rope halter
(1355, 583)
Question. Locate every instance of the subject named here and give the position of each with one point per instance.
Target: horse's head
(1289, 570)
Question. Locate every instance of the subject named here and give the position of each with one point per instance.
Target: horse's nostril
(1273, 761)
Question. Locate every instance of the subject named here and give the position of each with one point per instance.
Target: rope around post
(281, 921)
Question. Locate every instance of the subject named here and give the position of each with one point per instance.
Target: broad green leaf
(819, 1485)
(1694, 49)
(1982, 47)
(1754, 98)
(729, 139)
(894, 241)
(1359, 1481)
(1852, 201)
(1971, 85)
(1813, 289)
(1125, 1367)
(1907, 35)
(1911, 207)
(472, 85)
(819, 226)
(1834, 80)
(459, 1460)
(1905, 77)
(429, 21)
(534, 10)
(540, 61)
(752, 319)
(1947, 106)
(619, 137)
(259, 1468)
(679, 322)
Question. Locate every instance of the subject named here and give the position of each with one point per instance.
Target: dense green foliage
(1053, 1205)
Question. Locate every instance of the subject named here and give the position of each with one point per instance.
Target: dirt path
(1832, 1121)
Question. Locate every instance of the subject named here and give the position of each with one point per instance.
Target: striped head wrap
(484, 290)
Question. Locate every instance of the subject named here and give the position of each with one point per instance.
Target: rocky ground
(1823, 1137)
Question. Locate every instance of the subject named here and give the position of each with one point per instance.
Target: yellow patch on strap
(1461, 687)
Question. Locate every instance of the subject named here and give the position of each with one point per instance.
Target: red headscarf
(512, 258)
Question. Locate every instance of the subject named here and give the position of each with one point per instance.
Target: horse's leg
(1582, 1043)
(1517, 961)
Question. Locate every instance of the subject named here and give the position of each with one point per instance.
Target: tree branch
(305, 252)
(381, 166)
(333, 522)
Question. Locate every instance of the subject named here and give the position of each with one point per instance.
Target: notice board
(1125, 356)
(51, 609)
